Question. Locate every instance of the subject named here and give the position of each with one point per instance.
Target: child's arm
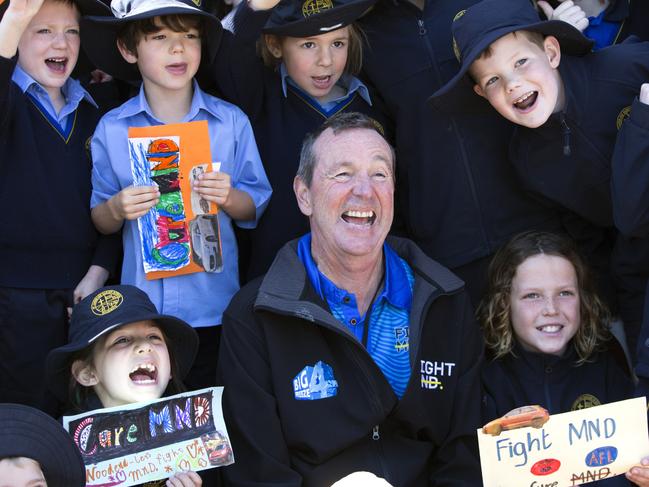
(13, 24)
(567, 11)
(185, 479)
(129, 204)
(639, 474)
(217, 187)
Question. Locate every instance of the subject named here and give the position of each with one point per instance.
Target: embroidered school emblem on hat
(459, 14)
(585, 401)
(311, 7)
(622, 116)
(315, 382)
(106, 302)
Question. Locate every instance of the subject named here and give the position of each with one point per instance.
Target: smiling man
(355, 351)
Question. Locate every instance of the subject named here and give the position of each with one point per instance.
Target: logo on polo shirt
(622, 116)
(315, 382)
(312, 7)
(106, 302)
(585, 401)
(401, 338)
(433, 373)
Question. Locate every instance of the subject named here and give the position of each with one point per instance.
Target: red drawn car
(534, 416)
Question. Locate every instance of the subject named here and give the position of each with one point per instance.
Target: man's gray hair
(338, 123)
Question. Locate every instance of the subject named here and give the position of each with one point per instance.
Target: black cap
(106, 309)
(99, 33)
(304, 18)
(28, 432)
(477, 27)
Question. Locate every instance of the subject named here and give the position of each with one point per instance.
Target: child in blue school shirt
(162, 44)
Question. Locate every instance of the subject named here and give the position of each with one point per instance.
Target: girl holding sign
(121, 351)
(547, 335)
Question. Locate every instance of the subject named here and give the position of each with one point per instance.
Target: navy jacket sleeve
(6, 70)
(237, 69)
(630, 173)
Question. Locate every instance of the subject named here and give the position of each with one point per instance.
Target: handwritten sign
(142, 442)
(570, 449)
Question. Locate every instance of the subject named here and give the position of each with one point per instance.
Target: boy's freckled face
(520, 79)
(21, 472)
(314, 63)
(131, 364)
(49, 47)
(168, 60)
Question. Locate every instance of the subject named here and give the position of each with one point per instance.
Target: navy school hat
(477, 27)
(28, 432)
(99, 33)
(103, 311)
(304, 18)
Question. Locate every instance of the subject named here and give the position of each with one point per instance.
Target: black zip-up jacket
(277, 326)
(556, 383)
(279, 123)
(458, 194)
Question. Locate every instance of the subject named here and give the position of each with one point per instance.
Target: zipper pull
(422, 27)
(375, 433)
(565, 131)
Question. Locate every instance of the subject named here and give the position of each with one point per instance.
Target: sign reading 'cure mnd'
(570, 449)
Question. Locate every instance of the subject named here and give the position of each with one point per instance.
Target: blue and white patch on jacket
(315, 382)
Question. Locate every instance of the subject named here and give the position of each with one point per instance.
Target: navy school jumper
(279, 123)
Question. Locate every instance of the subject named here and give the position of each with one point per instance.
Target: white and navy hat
(99, 33)
(106, 309)
(28, 432)
(477, 27)
(304, 18)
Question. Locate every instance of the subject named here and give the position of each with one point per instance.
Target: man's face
(49, 47)
(520, 80)
(350, 200)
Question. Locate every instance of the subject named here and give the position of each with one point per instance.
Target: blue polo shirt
(388, 332)
(602, 32)
(199, 298)
(72, 90)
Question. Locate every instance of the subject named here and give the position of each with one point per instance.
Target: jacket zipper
(565, 132)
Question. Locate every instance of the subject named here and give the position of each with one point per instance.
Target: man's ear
(274, 45)
(478, 90)
(128, 56)
(552, 50)
(303, 195)
(84, 373)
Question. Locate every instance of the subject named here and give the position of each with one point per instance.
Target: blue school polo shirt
(72, 91)
(198, 298)
(387, 335)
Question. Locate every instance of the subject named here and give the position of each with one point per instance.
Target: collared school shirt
(72, 91)
(351, 84)
(387, 336)
(198, 298)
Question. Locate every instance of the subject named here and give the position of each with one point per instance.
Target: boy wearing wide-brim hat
(291, 65)
(36, 450)
(163, 42)
(569, 104)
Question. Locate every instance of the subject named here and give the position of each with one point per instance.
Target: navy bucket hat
(28, 432)
(99, 33)
(109, 308)
(305, 18)
(477, 27)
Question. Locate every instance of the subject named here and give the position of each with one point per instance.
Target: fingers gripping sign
(567, 11)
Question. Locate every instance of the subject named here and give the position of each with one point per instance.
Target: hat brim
(182, 342)
(454, 97)
(28, 432)
(99, 38)
(321, 23)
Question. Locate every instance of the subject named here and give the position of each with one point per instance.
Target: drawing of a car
(206, 242)
(217, 448)
(199, 204)
(534, 416)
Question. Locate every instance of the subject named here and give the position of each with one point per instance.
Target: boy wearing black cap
(35, 451)
(51, 253)
(160, 43)
(568, 104)
(304, 73)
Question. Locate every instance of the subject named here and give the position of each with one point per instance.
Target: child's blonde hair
(494, 311)
(354, 51)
